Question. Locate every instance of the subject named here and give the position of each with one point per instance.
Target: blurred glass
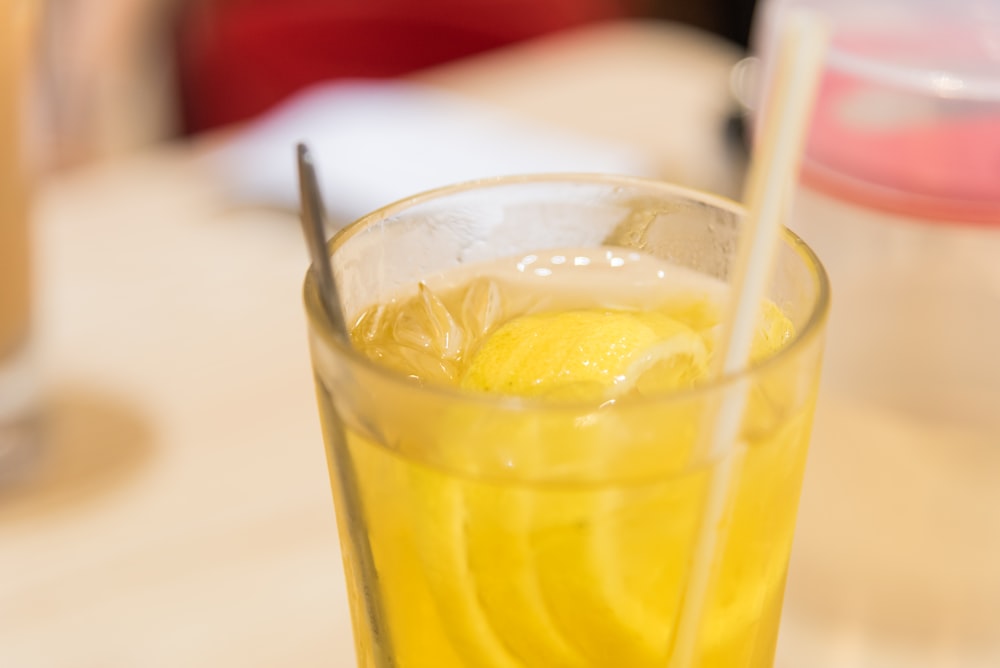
(17, 380)
(896, 554)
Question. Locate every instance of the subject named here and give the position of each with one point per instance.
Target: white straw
(768, 190)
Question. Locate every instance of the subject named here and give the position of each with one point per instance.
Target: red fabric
(238, 58)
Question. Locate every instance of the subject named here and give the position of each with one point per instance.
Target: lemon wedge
(587, 354)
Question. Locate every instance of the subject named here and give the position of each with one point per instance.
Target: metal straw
(314, 228)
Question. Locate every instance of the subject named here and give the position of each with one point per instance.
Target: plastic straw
(773, 170)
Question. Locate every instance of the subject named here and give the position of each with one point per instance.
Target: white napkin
(376, 142)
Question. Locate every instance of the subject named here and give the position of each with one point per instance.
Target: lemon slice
(477, 544)
(587, 353)
(486, 547)
(536, 574)
(614, 579)
(441, 510)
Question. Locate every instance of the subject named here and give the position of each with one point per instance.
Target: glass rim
(320, 322)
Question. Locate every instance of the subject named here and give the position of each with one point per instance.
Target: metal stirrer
(313, 227)
(313, 219)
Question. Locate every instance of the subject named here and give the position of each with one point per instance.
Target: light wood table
(181, 515)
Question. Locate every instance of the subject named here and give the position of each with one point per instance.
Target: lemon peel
(587, 353)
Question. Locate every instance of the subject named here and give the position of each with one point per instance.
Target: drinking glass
(485, 530)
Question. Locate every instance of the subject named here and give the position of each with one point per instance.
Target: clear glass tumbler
(483, 530)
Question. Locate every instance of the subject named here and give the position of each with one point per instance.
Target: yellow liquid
(560, 538)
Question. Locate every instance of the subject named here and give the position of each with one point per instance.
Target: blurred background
(120, 74)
